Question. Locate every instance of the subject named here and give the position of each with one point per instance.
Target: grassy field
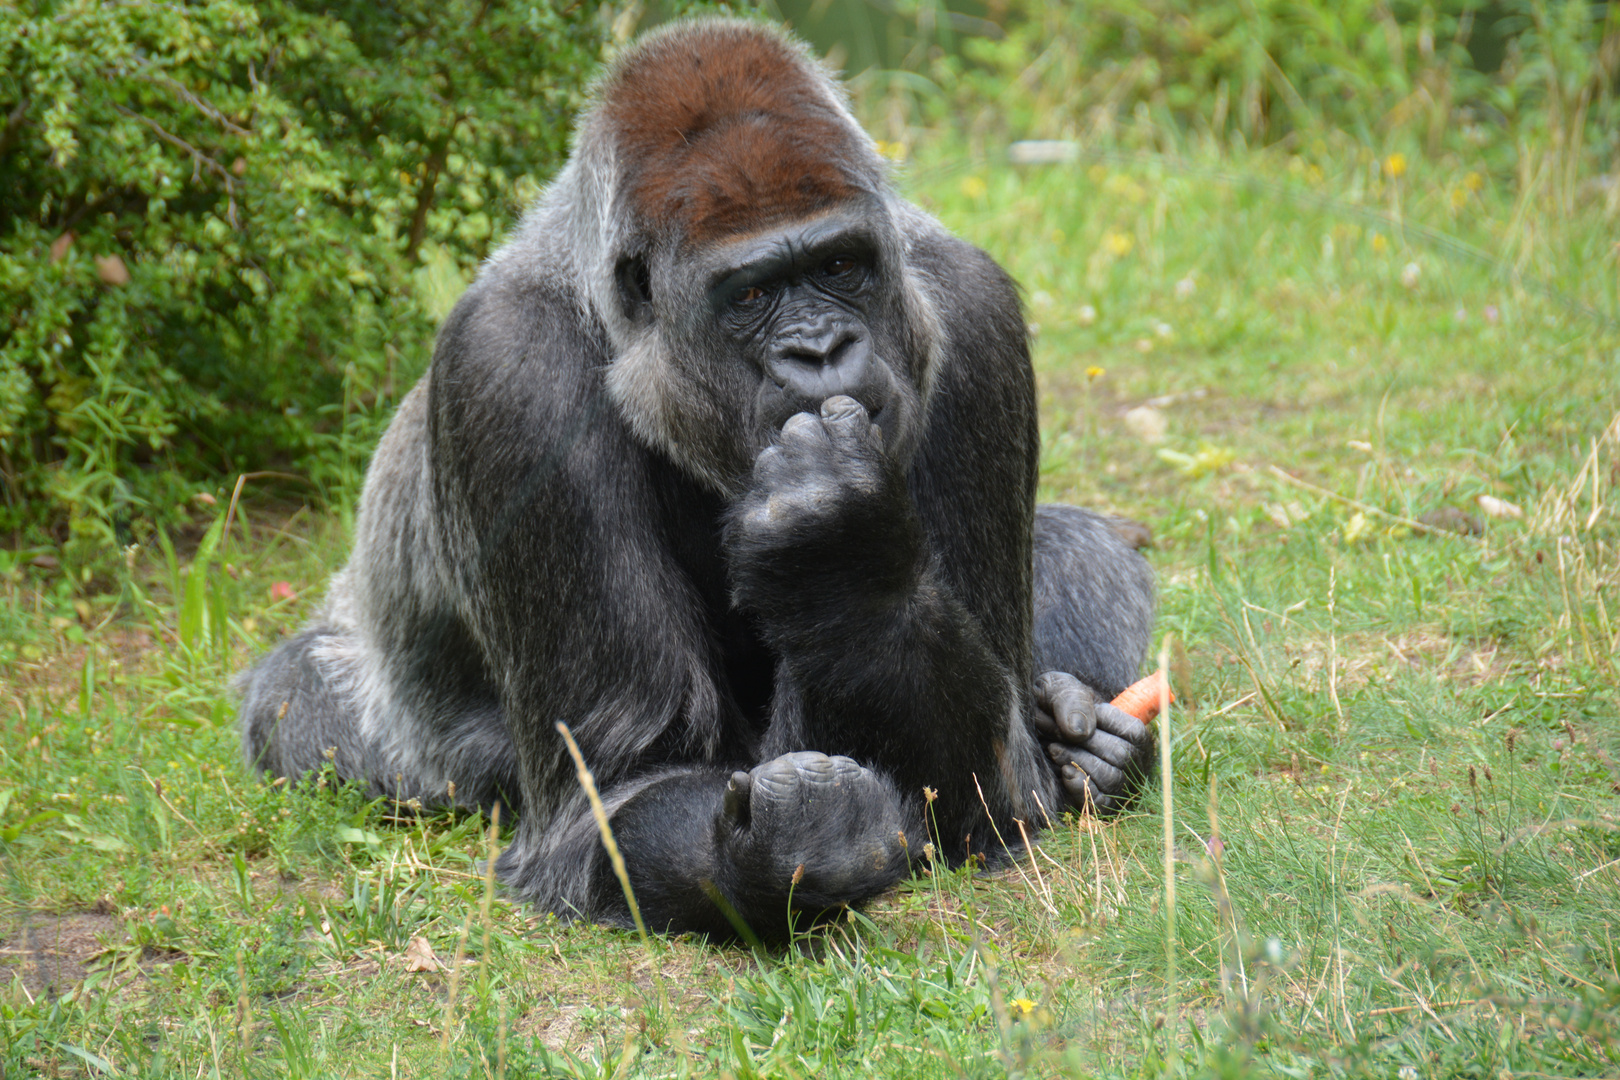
(1393, 824)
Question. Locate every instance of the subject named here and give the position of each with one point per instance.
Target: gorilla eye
(748, 294)
(839, 266)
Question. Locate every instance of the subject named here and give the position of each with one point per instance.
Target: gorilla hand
(1101, 752)
(825, 827)
(825, 499)
(818, 465)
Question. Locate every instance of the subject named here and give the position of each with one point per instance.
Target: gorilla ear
(634, 283)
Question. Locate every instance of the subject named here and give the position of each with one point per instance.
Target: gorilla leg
(1094, 604)
(1093, 600)
(290, 715)
(407, 735)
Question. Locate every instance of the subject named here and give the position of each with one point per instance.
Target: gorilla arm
(587, 589)
(899, 600)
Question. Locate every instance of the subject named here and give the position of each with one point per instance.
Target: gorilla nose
(815, 367)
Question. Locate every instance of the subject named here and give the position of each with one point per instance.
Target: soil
(51, 953)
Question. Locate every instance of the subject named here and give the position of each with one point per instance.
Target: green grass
(1406, 743)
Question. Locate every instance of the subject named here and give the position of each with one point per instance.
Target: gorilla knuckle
(803, 427)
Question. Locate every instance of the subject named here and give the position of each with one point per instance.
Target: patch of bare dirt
(51, 953)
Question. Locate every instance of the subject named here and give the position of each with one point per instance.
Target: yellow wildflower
(1118, 243)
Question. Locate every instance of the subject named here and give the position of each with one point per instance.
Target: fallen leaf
(1207, 460)
(419, 956)
(282, 590)
(59, 246)
(1357, 528)
(1498, 508)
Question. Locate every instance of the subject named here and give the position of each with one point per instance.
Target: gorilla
(727, 460)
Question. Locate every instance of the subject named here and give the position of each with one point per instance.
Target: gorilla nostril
(851, 351)
(803, 357)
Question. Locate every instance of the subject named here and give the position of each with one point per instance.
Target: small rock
(1146, 424)
(1499, 508)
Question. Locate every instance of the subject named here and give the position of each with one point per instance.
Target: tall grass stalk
(588, 783)
(1172, 1008)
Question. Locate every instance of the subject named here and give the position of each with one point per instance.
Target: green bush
(225, 228)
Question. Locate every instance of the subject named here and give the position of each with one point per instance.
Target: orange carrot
(1141, 698)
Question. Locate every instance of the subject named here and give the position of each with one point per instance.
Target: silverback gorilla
(727, 460)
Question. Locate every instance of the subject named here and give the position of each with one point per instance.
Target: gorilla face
(772, 323)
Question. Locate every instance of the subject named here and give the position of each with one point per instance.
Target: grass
(1394, 826)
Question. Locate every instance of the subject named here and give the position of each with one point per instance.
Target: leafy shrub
(214, 223)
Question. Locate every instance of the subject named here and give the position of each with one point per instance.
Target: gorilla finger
(842, 409)
(1069, 702)
(1114, 750)
(770, 463)
(812, 766)
(846, 769)
(1102, 773)
(1119, 722)
(802, 429)
(1083, 793)
(1107, 776)
(849, 427)
(1044, 722)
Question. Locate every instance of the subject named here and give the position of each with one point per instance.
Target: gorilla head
(757, 268)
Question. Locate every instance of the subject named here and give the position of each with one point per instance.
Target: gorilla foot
(824, 830)
(1101, 753)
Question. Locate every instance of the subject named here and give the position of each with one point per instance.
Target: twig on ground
(1366, 508)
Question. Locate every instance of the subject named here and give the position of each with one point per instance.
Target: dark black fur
(774, 560)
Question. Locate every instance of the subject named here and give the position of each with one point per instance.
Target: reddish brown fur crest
(726, 128)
